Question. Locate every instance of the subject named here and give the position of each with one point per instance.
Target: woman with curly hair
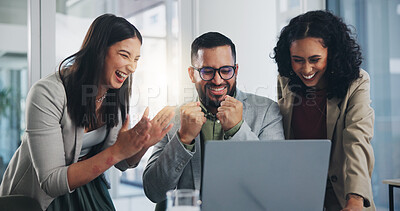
(323, 94)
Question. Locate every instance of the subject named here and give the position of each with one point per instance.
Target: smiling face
(211, 93)
(121, 61)
(309, 60)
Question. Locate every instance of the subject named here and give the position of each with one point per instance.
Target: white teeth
(217, 89)
(122, 74)
(309, 76)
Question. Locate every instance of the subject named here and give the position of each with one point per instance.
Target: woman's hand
(143, 135)
(159, 125)
(354, 203)
(131, 141)
(130, 144)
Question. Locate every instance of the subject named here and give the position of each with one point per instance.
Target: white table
(392, 183)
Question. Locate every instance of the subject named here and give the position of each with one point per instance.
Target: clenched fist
(230, 112)
(192, 120)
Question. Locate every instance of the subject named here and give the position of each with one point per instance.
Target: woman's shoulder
(283, 82)
(49, 88)
(364, 75)
(52, 83)
(283, 79)
(360, 84)
(363, 80)
(282, 86)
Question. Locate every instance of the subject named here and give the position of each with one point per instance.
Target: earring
(291, 72)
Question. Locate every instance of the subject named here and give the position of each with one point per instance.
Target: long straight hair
(81, 72)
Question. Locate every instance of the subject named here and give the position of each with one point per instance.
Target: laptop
(265, 175)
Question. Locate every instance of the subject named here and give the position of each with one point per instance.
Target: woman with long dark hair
(77, 123)
(323, 94)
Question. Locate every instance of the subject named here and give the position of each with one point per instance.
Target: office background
(35, 35)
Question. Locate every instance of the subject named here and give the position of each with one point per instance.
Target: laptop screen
(265, 175)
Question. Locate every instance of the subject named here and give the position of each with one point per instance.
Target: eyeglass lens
(208, 73)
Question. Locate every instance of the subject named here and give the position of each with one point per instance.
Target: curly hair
(344, 54)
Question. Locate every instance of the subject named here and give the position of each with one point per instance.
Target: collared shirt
(212, 128)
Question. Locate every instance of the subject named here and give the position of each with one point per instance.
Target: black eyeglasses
(208, 73)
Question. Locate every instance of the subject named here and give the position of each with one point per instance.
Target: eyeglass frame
(215, 70)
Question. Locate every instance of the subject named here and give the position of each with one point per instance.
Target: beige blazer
(50, 144)
(349, 123)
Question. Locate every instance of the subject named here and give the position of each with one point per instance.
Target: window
(13, 77)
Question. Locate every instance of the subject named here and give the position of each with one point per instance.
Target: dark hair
(344, 54)
(81, 73)
(211, 40)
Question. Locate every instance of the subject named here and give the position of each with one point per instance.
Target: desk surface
(392, 182)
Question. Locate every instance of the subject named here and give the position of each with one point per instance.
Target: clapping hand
(159, 125)
(144, 134)
(131, 141)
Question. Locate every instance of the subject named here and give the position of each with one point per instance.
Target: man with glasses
(222, 112)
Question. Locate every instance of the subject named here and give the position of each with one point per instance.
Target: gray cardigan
(172, 166)
(49, 145)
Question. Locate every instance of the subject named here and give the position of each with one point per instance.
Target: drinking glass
(183, 200)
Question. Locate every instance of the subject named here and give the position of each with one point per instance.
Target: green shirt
(212, 129)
